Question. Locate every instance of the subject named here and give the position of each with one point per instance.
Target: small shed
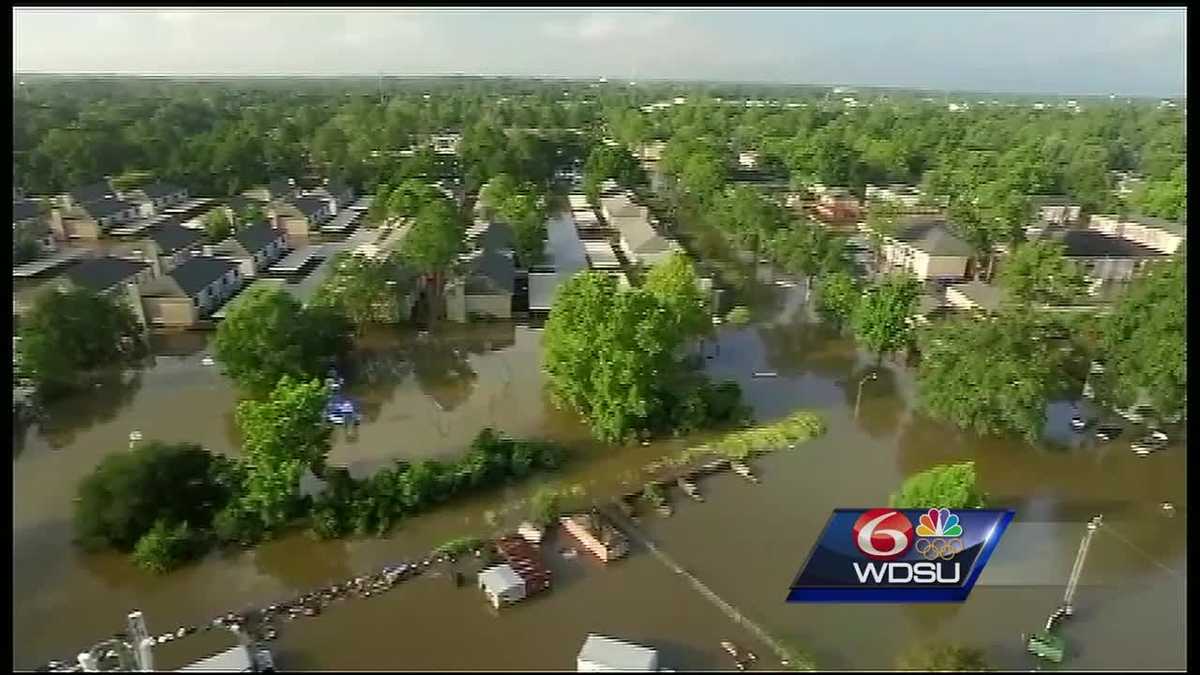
(502, 585)
(601, 653)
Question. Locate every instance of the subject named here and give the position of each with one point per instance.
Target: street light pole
(874, 374)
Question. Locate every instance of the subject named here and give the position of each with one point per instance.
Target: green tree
(991, 377)
(365, 291)
(433, 242)
(1144, 341)
(128, 492)
(526, 212)
(267, 335)
(249, 215)
(283, 436)
(950, 486)
(217, 226)
(412, 197)
(942, 657)
(166, 547)
(1038, 272)
(497, 191)
(674, 284)
(882, 318)
(838, 295)
(68, 335)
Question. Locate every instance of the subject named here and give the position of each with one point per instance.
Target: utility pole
(1077, 570)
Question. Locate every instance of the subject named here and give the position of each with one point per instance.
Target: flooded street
(427, 396)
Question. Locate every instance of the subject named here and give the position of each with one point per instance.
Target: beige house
(117, 278)
(485, 289)
(254, 247)
(907, 196)
(190, 292)
(596, 535)
(298, 217)
(92, 220)
(640, 242)
(1161, 235)
(926, 248)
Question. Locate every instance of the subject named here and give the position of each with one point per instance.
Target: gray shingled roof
(160, 189)
(93, 192)
(172, 238)
(198, 273)
(931, 235)
(105, 207)
(255, 238)
(307, 205)
(1081, 243)
(24, 209)
(492, 272)
(100, 274)
(497, 236)
(277, 187)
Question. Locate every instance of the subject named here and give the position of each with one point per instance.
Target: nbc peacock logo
(939, 523)
(940, 535)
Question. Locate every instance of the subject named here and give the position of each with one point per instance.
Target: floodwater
(427, 396)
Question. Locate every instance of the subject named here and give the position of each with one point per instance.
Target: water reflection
(881, 408)
(67, 417)
(805, 348)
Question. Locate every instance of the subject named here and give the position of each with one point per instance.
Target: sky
(1134, 52)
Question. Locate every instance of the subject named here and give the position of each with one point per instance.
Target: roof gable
(100, 274)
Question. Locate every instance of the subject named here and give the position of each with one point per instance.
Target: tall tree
(433, 242)
(991, 377)
(267, 335)
(67, 335)
(1038, 272)
(283, 436)
(882, 319)
(1144, 342)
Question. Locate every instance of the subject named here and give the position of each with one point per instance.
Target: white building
(601, 653)
(502, 585)
(1161, 235)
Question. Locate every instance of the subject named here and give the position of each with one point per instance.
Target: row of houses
(172, 279)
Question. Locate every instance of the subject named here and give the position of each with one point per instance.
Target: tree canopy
(992, 376)
(950, 486)
(942, 657)
(1038, 272)
(267, 334)
(1144, 341)
(67, 335)
(882, 319)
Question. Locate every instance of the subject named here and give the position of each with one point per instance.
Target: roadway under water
(428, 395)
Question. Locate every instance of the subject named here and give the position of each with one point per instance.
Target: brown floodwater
(427, 396)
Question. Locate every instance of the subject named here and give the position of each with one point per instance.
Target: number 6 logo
(883, 534)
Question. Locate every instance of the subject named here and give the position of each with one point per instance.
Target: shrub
(166, 547)
(950, 486)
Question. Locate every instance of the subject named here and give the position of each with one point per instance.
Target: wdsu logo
(877, 555)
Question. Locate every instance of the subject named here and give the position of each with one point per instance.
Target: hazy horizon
(1083, 52)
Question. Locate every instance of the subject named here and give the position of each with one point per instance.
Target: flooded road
(427, 396)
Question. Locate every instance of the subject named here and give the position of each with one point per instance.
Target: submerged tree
(950, 486)
(882, 319)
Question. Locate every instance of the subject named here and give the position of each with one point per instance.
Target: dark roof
(491, 272)
(198, 273)
(160, 189)
(100, 274)
(336, 187)
(24, 209)
(931, 235)
(307, 205)
(172, 238)
(255, 238)
(497, 236)
(105, 207)
(279, 186)
(93, 192)
(1084, 243)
